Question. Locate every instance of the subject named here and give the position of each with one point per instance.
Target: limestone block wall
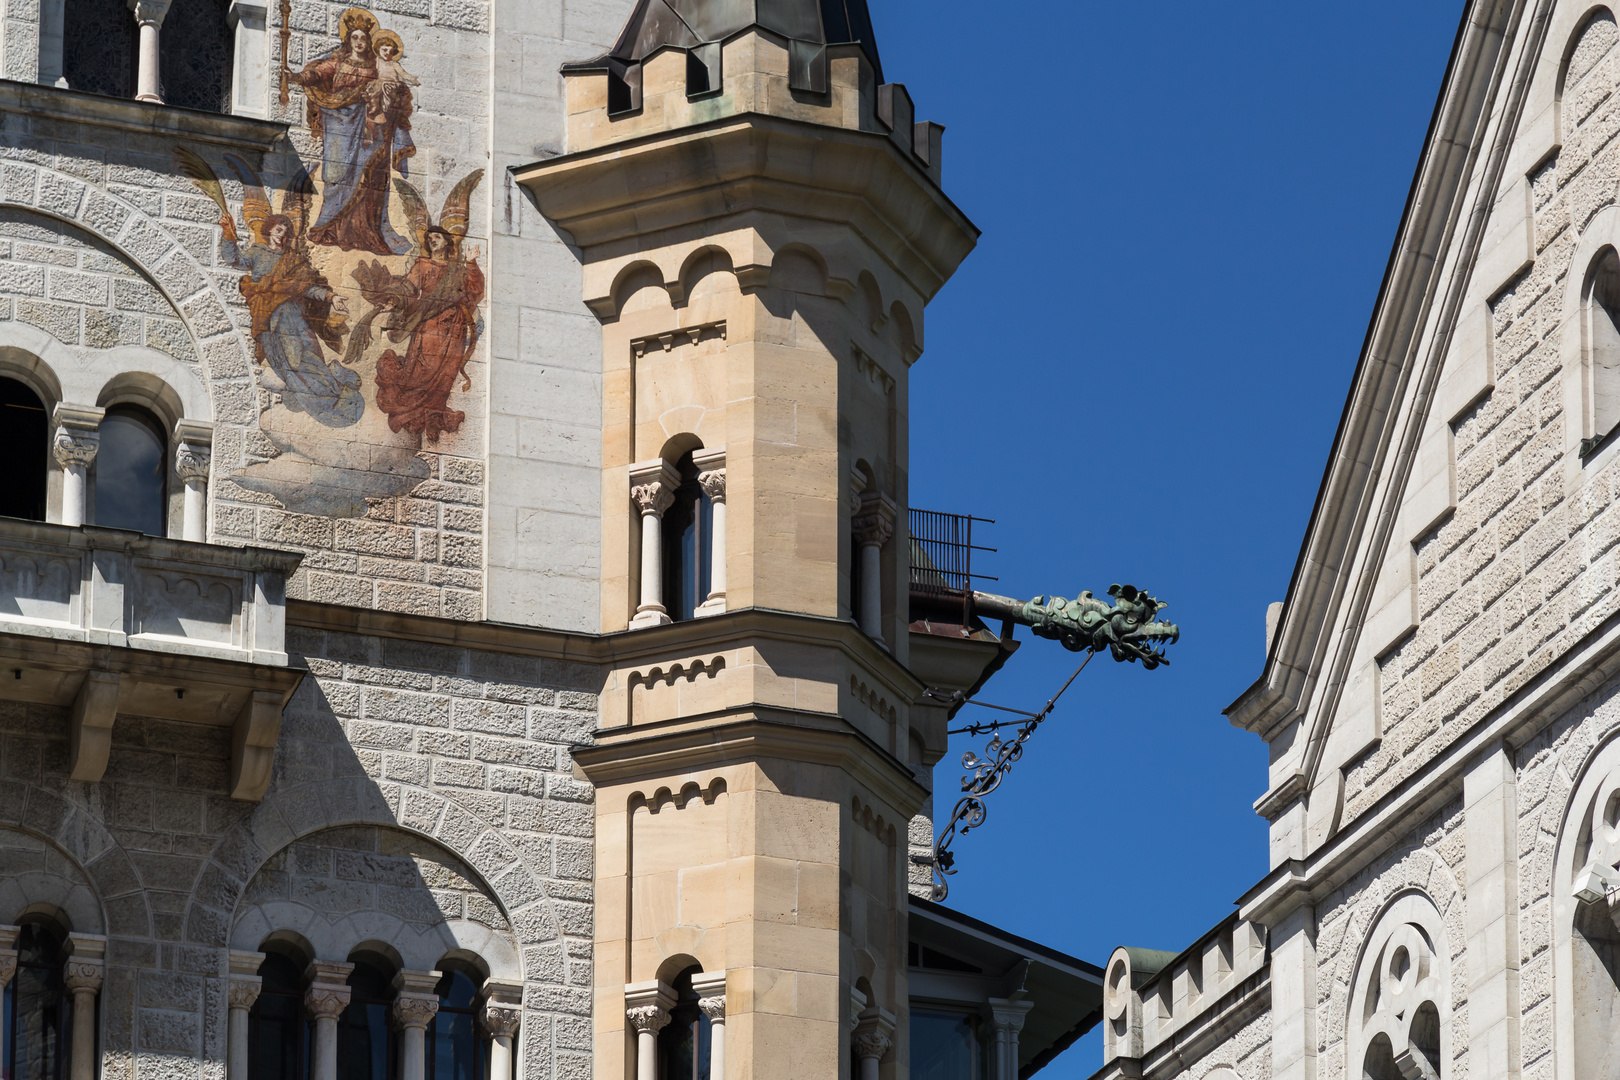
(423, 797)
(1526, 563)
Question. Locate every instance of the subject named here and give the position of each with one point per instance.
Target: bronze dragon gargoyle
(1128, 628)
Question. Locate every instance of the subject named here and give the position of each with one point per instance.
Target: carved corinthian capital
(873, 524)
(149, 11)
(325, 1002)
(415, 1010)
(871, 1044)
(714, 485)
(500, 1020)
(75, 446)
(83, 974)
(647, 1019)
(652, 486)
(244, 991)
(713, 1007)
(8, 965)
(191, 461)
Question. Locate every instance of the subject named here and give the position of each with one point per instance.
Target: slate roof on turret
(685, 24)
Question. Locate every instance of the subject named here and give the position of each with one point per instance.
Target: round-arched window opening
(132, 471)
(684, 1044)
(37, 1012)
(453, 1048)
(278, 1033)
(685, 532)
(24, 446)
(365, 1045)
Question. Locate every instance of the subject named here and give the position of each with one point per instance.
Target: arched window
(686, 528)
(24, 445)
(683, 1045)
(453, 1050)
(37, 1011)
(365, 1048)
(98, 47)
(132, 469)
(278, 1033)
(1602, 318)
(195, 63)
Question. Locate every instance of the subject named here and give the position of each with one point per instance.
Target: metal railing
(942, 550)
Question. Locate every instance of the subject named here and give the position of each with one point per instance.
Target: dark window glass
(24, 442)
(683, 1045)
(195, 64)
(685, 531)
(365, 1045)
(945, 1046)
(98, 47)
(36, 1008)
(132, 472)
(453, 1047)
(278, 1034)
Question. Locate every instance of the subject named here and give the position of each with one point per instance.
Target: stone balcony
(105, 622)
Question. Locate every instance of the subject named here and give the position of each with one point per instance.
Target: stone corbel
(253, 745)
(90, 725)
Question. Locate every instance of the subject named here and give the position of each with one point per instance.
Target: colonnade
(652, 488)
(647, 1007)
(77, 438)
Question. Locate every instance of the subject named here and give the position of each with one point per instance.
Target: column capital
(8, 965)
(83, 974)
(874, 1031)
(414, 1010)
(328, 993)
(652, 486)
(502, 1010)
(647, 1005)
(243, 991)
(711, 465)
(149, 11)
(77, 433)
(194, 442)
(710, 987)
(873, 522)
(1008, 1013)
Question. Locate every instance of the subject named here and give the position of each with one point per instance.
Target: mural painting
(364, 311)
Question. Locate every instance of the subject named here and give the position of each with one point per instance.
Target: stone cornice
(630, 193)
(626, 755)
(139, 117)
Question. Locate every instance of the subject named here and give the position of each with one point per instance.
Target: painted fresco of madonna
(363, 119)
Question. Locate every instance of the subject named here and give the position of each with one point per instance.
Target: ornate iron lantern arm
(988, 772)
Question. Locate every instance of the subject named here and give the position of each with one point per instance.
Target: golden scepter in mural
(286, 36)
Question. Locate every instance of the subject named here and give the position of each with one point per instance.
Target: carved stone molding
(673, 339)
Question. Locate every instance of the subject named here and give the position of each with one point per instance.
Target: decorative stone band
(413, 1010)
(501, 1021)
(191, 461)
(85, 975)
(647, 1019)
(244, 991)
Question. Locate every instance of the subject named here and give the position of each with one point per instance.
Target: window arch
(25, 447)
(684, 1044)
(98, 47)
(1600, 315)
(195, 62)
(686, 528)
(365, 1049)
(278, 1033)
(454, 1050)
(132, 472)
(1400, 994)
(38, 1014)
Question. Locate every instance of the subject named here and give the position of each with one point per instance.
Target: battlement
(754, 71)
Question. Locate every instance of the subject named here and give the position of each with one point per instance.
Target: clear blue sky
(1187, 211)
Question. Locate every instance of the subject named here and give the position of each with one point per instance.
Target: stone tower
(760, 222)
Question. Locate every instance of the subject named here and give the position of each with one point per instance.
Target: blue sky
(1187, 210)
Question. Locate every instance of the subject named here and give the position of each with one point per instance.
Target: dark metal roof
(686, 24)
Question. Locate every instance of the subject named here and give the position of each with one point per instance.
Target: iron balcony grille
(942, 550)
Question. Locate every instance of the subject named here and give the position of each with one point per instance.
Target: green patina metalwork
(1128, 628)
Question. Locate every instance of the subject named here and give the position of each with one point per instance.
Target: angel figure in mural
(293, 307)
(434, 305)
(360, 109)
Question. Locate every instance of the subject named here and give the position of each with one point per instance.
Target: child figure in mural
(363, 119)
(293, 307)
(389, 94)
(435, 306)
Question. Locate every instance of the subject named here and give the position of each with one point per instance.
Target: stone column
(652, 488)
(711, 991)
(250, 66)
(712, 476)
(148, 17)
(8, 968)
(1007, 1019)
(874, 1031)
(193, 450)
(324, 1001)
(646, 1006)
(78, 436)
(873, 525)
(82, 975)
(500, 1016)
(415, 1006)
(242, 992)
(1491, 915)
